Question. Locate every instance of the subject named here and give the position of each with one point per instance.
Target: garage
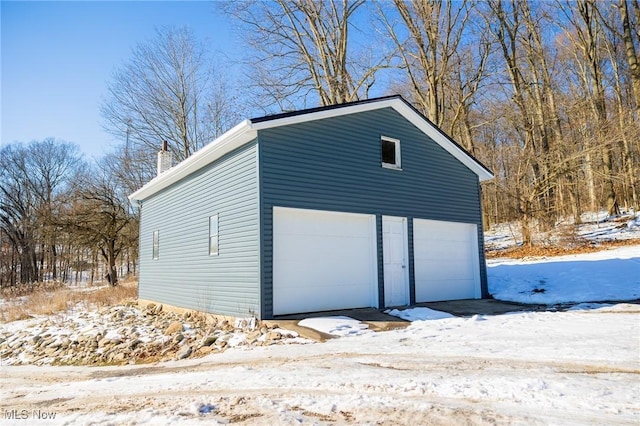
(446, 260)
(323, 260)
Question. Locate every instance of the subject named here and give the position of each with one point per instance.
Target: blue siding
(334, 164)
(185, 275)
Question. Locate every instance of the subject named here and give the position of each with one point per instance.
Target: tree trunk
(632, 176)
(574, 196)
(587, 11)
(612, 203)
(110, 256)
(632, 58)
(525, 225)
(54, 260)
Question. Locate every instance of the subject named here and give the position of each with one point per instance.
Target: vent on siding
(165, 159)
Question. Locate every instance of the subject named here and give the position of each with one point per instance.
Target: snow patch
(419, 314)
(336, 326)
(589, 306)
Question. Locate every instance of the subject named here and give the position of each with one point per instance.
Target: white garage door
(446, 260)
(323, 260)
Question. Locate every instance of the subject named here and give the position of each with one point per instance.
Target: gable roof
(247, 130)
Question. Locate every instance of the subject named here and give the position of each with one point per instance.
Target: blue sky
(58, 56)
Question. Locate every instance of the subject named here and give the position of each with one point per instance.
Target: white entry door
(396, 268)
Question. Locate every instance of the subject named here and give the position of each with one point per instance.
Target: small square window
(156, 244)
(390, 152)
(213, 235)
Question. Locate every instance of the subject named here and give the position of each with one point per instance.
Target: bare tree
(303, 49)
(100, 218)
(435, 57)
(168, 91)
(517, 34)
(619, 42)
(33, 178)
(586, 32)
(18, 207)
(130, 167)
(631, 39)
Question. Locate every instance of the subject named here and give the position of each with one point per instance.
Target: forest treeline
(546, 94)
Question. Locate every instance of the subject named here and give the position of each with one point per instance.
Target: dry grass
(48, 300)
(558, 250)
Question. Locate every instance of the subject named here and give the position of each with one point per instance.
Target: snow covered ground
(596, 227)
(612, 274)
(339, 326)
(577, 366)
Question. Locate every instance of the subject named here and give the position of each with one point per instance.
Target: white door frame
(391, 273)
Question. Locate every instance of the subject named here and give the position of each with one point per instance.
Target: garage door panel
(442, 250)
(331, 224)
(444, 231)
(445, 290)
(447, 270)
(295, 274)
(321, 246)
(323, 301)
(445, 260)
(322, 260)
(332, 256)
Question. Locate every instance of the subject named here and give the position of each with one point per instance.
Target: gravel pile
(126, 334)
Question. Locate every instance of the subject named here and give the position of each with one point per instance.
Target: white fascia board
(403, 109)
(319, 115)
(234, 138)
